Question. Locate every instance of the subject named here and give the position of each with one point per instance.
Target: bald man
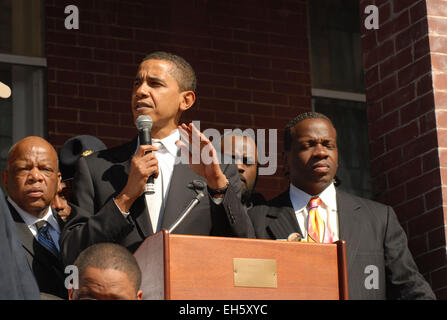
(31, 180)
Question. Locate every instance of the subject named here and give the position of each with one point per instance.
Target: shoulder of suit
(364, 203)
(118, 153)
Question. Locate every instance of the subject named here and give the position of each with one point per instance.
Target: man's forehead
(314, 128)
(154, 67)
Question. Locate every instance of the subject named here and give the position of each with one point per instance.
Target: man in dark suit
(242, 149)
(109, 204)
(31, 181)
(380, 265)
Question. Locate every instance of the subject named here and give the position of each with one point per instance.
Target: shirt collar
(30, 220)
(168, 142)
(300, 199)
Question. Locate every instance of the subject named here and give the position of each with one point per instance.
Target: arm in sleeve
(402, 276)
(85, 226)
(232, 208)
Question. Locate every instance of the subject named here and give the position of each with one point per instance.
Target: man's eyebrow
(149, 78)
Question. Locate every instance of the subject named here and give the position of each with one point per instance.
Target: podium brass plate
(258, 273)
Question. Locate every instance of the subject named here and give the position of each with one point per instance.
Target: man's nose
(143, 90)
(320, 151)
(35, 175)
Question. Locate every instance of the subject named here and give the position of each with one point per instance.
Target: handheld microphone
(144, 126)
(197, 186)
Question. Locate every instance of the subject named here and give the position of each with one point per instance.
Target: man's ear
(140, 295)
(70, 294)
(187, 100)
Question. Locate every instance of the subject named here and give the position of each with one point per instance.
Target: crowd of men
(96, 213)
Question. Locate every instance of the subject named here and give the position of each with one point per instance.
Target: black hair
(299, 118)
(183, 72)
(110, 256)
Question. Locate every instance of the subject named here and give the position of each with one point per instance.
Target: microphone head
(143, 122)
(197, 185)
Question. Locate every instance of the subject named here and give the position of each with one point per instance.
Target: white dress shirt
(31, 220)
(327, 209)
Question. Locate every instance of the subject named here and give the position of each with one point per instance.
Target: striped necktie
(317, 231)
(44, 237)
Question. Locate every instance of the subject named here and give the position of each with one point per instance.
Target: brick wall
(251, 59)
(404, 84)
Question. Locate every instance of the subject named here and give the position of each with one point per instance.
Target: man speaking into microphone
(108, 188)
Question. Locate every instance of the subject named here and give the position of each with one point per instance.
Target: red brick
(430, 161)
(442, 137)
(395, 63)
(409, 36)
(427, 123)
(399, 98)
(266, 97)
(415, 70)
(389, 29)
(255, 108)
(410, 209)
(400, 5)
(437, 238)
(418, 11)
(439, 62)
(420, 106)
(439, 278)
(257, 85)
(432, 260)
(440, 100)
(216, 104)
(423, 184)
(440, 81)
(418, 245)
(437, 25)
(388, 160)
(371, 76)
(376, 147)
(405, 172)
(384, 125)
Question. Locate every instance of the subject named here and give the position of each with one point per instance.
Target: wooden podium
(183, 267)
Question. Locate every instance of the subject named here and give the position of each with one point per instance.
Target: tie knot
(41, 224)
(314, 202)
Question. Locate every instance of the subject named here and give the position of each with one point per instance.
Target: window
(22, 67)
(338, 87)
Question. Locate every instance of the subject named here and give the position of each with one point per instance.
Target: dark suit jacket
(47, 268)
(373, 236)
(16, 278)
(95, 217)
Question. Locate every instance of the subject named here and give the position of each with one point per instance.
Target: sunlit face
(156, 93)
(244, 152)
(104, 284)
(313, 157)
(32, 175)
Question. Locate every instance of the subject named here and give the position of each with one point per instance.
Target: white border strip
(23, 60)
(341, 95)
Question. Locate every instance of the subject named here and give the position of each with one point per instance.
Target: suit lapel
(25, 235)
(349, 223)
(282, 219)
(179, 195)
